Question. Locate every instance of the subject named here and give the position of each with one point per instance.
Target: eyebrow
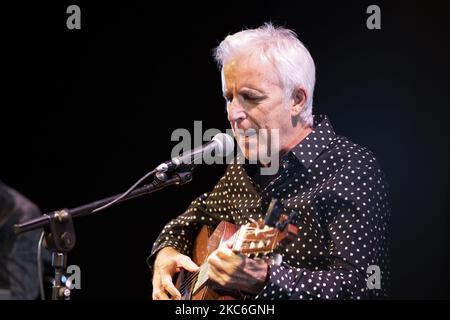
(245, 89)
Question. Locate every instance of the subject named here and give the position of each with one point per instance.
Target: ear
(299, 97)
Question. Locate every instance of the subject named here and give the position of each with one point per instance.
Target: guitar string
(187, 285)
(194, 276)
(189, 280)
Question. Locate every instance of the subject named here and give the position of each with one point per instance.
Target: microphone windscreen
(226, 144)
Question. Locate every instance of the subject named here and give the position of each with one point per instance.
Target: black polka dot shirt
(340, 196)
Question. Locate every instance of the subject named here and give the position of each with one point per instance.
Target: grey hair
(282, 48)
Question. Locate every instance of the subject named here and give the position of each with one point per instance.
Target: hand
(169, 261)
(236, 272)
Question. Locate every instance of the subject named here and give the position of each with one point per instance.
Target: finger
(170, 288)
(224, 252)
(216, 276)
(156, 281)
(159, 295)
(157, 287)
(229, 244)
(186, 263)
(217, 264)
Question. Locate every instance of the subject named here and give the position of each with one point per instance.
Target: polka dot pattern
(340, 196)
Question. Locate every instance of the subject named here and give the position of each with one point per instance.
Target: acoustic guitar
(257, 240)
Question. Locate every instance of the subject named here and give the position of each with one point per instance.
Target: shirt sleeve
(208, 209)
(356, 236)
(18, 252)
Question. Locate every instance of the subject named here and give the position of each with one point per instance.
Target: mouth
(246, 133)
(248, 137)
(250, 132)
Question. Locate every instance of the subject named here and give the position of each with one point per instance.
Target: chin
(251, 154)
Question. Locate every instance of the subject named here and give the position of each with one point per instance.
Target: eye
(228, 98)
(252, 97)
(249, 97)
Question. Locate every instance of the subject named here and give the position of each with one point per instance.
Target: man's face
(255, 101)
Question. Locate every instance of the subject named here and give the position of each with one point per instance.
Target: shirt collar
(308, 149)
(312, 146)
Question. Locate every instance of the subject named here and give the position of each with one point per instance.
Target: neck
(296, 139)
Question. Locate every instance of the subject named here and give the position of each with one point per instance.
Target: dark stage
(87, 112)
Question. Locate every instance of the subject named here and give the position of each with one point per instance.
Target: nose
(236, 113)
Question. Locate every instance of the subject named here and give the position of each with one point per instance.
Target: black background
(84, 113)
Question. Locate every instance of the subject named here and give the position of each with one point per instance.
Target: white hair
(282, 48)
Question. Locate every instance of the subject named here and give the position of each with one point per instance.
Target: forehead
(248, 70)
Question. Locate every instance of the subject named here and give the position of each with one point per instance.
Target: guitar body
(206, 242)
(255, 240)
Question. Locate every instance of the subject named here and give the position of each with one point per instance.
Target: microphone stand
(59, 231)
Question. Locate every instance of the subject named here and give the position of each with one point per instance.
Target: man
(18, 270)
(335, 186)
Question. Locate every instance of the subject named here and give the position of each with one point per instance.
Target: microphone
(221, 145)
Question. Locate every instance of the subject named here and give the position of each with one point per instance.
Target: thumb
(186, 263)
(229, 244)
